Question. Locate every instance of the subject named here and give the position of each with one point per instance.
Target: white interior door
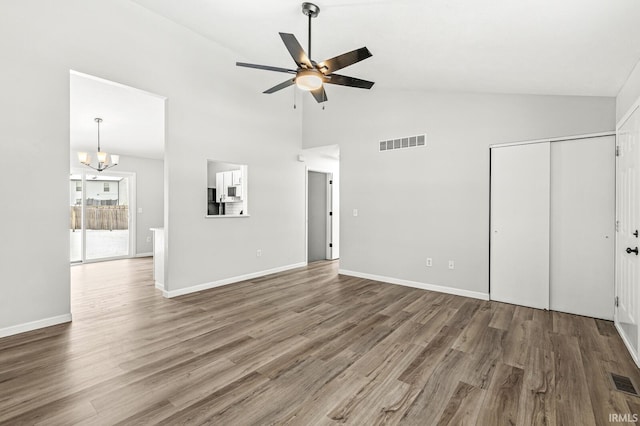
(519, 255)
(628, 223)
(583, 226)
(329, 215)
(317, 212)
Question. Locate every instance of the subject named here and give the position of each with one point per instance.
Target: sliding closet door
(583, 226)
(519, 261)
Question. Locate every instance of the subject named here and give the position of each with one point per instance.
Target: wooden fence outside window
(100, 217)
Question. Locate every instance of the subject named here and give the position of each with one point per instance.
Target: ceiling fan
(310, 75)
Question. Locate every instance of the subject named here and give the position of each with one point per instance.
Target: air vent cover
(623, 384)
(401, 143)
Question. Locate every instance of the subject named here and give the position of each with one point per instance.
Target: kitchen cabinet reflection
(226, 189)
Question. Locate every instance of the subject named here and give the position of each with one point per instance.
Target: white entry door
(628, 226)
(519, 255)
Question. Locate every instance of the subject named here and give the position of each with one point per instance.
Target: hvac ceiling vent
(401, 143)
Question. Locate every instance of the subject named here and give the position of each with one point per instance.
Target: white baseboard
(150, 254)
(34, 325)
(628, 345)
(415, 284)
(159, 286)
(206, 286)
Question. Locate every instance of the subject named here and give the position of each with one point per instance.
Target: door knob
(635, 250)
(636, 233)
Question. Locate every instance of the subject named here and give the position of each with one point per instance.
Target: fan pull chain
(294, 98)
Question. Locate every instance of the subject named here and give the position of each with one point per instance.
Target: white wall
(149, 197)
(629, 93)
(212, 112)
(416, 203)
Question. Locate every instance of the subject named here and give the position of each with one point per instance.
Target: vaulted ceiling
(133, 120)
(567, 47)
(557, 47)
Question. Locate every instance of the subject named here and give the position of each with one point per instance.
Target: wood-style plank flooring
(307, 347)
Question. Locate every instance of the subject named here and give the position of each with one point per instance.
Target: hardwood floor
(307, 347)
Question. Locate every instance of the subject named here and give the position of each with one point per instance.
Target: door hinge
(616, 302)
(331, 182)
(331, 245)
(330, 213)
(617, 150)
(617, 225)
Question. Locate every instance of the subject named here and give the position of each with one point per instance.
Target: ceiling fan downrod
(311, 10)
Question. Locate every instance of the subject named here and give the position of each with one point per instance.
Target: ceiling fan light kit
(308, 80)
(311, 76)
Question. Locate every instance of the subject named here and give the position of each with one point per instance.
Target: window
(78, 186)
(106, 187)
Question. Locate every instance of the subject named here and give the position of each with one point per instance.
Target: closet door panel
(583, 226)
(519, 262)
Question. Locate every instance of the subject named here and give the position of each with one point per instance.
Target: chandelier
(103, 157)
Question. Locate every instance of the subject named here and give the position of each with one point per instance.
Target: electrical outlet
(148, 239)
(451, 264)
(258, 253)
(355, 212)
(429, 261)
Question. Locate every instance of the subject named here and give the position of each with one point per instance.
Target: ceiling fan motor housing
(310, 9)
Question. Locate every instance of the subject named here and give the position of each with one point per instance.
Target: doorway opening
(112, 212)
(101, 223)
(322, 202)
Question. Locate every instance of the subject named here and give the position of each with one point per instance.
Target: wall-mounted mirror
(226, 189)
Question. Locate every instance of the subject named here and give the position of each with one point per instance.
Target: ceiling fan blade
(297, 52)
(344, 80)
(319, 94)
(344, 60)
(265, 67)
(281, 86)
